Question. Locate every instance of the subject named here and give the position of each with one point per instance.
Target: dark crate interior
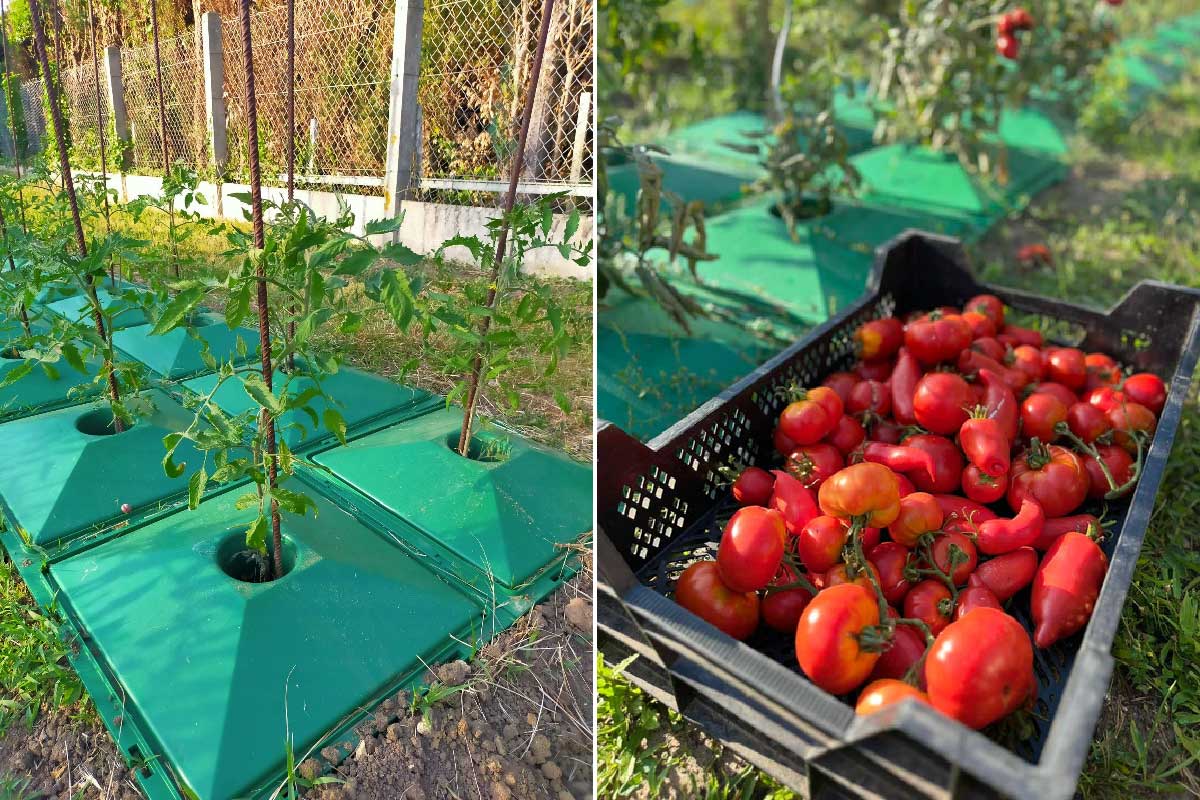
(667, 517)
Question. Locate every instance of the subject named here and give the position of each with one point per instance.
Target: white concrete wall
(426, 225)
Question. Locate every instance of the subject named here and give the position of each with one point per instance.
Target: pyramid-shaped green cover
(205, 663)
(176, 353)
(40, 389)
(73, 481)
(507, 518)
(120, 313)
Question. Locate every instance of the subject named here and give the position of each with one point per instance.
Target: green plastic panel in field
(176, 354)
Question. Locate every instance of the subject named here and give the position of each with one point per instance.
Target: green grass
(1139, 218)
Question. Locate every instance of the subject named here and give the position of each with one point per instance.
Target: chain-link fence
(34, 110)
(343, 57)
(83, 96)
(183, 98)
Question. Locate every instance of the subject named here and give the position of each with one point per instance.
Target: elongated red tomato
(985, 445)
(793, 501)
(947, 462)
(898, 458)
(1007, 574)
(1054, 528)
(701, 591)
(974, 597)
(941, 402)
(1065, 587)
(1001, 403)
(1005, 535)
(880, 694)
(904, 386)
(980, 668)
(827, 639)
(972, 362)
(962, 515)
(751, 548)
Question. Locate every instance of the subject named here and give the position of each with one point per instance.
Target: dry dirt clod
(310, 769)
(540, 749)
(501, 792)
(551, 771)
(332, 754)
(579, 614)
(454, 673)
(395, 731)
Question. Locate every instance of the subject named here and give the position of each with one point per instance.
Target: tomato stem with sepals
(799, 583)
(1115, 491)
(1039, 454)
(957, 557)
(857, 524)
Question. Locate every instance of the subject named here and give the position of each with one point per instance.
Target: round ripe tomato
(872, 396)
(980, 668)
(929, 601)
(809, 419)
(847, 435)
(879, 338)
(1052, 476)
(989, 305)
(827, 638)
(1008, 47)
(862, 490)
(1067, 365)
(751, 548)
(1105, 398)
(880, 694)
(869, 537)
(1064, 395)
(879, 370)
(783, 443)
(981, 487)
(1029, 360)
(974, 597)
(1101, 371)
(753, 487)
(941, 402)
(842, 383)
(1087, 421)
(937, 337)
(820, 543)
(1119, 463)
(813, 463)
(906, 486)
(1129, 418)
(1040, 414)
(942, 546)
(1147, 389)
(781, 610)
(981, 325)
(991, 348)
(948, 464)
(890, 559)
(919, 515)
(840, 574)
(900, 654)
(886, 432)
(701, 591)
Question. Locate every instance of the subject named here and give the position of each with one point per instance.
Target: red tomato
(962, 515)
(1101, 371)
(820, 543)
(906, 486)
(827, 638)
(1006, 575)
(753, 487)
(948, 464)
(701, 591)
(929, 601)
(880, 694)
(997, 536)
(781, 610)
(1147, 389)
(890, 559)
(871, 396)
(1052, 476)
(1120, 466)
(988, 346)
(1054, 528)
(981, 487)
(974, 597)
(981, 325)
(1023, 335)
(847, 436)
(1029, 360)
(1067, 365)
(783, 445)
(1066, 587)
(862, 490)
(900, 654)
(919, 514)
(810, 418)
(1087, 421)
(1129, 418)
(793, 501)
(842, 383)
(989, 305)
(980, 668)
(944, 546)
(1105, 398)
(1008, 47)
(904, 386)
(1021, 19)
(1064, 395)
(985, 445)
(1040, 415)
(751, 548)
(1001, 403)
(879, 338)
(941, 402)
(840, 574)
(937, 337)
(868, 536)
(813, 463)
(879, 370)
(886, 432)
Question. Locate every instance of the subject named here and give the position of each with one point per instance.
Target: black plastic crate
(662, 506)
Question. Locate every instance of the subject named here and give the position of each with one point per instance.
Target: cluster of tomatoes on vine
(1007, 43)
(921, 492)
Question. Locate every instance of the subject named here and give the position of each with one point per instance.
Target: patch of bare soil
(520, 728)
(63, 759)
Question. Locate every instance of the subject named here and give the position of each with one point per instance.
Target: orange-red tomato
(878, 695)
(751, 548)
(919, 514)
(827, 638)
(864, 490)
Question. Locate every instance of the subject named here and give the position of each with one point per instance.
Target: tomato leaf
(335, 424)
(196, 485)
(259, 393)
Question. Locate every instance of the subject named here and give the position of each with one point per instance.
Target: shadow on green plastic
(99, 422)
(485, 447)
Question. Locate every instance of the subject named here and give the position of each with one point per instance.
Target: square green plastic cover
(73, 480)
(218, 672)
(119, 312)
(41, 388)
(508, 518)
(177, 353)
(360, 397)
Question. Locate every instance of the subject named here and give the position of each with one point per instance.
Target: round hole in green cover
(483, 447)
(99, 422)
(247, 565)
(11, 353)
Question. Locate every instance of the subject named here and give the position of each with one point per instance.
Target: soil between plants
(520, 728)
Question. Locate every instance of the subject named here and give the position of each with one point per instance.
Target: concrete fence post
(116, 97)
(7, 146)
(403, 142)
(214, 88)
